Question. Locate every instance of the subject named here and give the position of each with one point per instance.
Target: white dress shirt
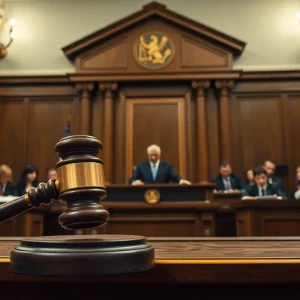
(260, 194)
(3, 187)
(156, 165)
(297, 194)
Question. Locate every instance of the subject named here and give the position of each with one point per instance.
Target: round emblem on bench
(152, 196)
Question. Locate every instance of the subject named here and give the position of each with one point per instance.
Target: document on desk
(4, 199)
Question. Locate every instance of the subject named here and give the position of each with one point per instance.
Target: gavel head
(80, 182)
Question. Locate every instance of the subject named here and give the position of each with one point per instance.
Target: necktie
(228, 187)
(263, 192)
(154, 172)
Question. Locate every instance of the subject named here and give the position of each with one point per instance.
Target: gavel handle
(43, 194)
(14, 207)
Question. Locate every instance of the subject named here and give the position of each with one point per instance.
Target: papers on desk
(4, 199)
(267, 197)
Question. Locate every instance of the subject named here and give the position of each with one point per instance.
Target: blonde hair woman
(7, 187)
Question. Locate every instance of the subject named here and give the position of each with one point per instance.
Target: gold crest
(152, 196)
(154, 50)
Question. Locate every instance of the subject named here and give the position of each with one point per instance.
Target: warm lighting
(12, 22)
(12, 36)
(298, 15)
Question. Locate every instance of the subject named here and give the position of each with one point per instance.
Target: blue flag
(68, 129)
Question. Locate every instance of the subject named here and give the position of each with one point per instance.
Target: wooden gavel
(80, 185)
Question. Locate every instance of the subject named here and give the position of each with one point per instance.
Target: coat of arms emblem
(154, 50)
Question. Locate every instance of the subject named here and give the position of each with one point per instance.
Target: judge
(155, 170)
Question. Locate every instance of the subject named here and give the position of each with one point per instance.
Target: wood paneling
(110, 57)
(47, 122)
(267, 218)
(260, 130)
(13, 134)
(205, 55)
(213, 133)
(147, 226)
(291, 109)
(282, 226)
(97, 116)
(111, 47)
(156, 121)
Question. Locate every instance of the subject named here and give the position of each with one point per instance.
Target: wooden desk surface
(199, 260)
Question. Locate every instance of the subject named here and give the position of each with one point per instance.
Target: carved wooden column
(85, 107)
(202, 142)
(225, 119)
(108, 126)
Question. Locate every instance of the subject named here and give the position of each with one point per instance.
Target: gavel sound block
(81, 186)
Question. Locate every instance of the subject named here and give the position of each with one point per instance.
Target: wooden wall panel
(97, 117)
(120, 140)
(47, 122)
(191, 137)
(213, 133)
(13, 134)
(260, 133)
(156, 121)
(291, 110)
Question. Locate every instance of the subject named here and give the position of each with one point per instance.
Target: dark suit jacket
(277, 183)
(9, 189)
(271, 190)
(295, 189)
(165, 173)
(235, 181)
(20, 188)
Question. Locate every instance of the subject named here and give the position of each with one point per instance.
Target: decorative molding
(33, 80)
(153, 76)
(206, 55)
(224, 86)
(200, 86)
(84, 87)
(151, 10)
(108, 86)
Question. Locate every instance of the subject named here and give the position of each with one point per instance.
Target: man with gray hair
(155, 171)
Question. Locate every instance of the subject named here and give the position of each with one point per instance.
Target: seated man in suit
(155, 170)
(270, 167)
(227, 181)
(262, 187)
(6, 186)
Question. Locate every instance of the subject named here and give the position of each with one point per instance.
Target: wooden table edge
(210, 261)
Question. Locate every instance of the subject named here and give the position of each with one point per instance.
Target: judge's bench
(205, 244)
(171, 210)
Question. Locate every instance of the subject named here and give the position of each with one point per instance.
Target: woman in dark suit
(28, 180)
(296, 190)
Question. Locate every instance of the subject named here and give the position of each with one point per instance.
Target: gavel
(80, 185)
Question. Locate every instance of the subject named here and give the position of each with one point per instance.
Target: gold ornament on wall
(12, 33)
(154, 50)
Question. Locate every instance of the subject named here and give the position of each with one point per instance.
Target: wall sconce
(12, 36)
